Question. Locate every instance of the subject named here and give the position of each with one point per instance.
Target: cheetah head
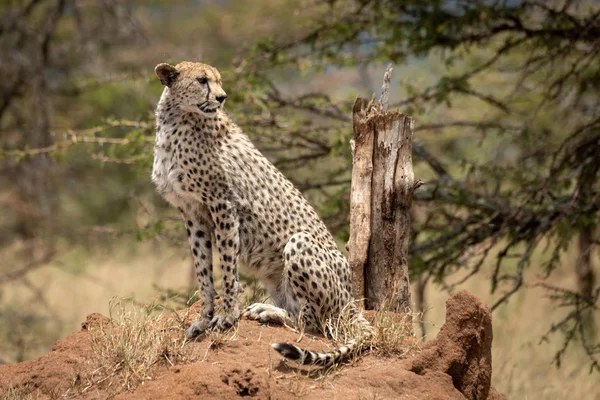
(195, 86)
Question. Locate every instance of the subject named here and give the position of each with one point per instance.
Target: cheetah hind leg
(319, 278)
(267, 313)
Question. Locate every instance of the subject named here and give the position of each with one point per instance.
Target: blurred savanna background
(506, 101)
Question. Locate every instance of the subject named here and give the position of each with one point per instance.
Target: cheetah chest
(162, 173)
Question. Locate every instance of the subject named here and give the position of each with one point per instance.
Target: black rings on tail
(307, 357)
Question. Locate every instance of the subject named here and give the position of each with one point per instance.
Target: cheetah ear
(166, 73)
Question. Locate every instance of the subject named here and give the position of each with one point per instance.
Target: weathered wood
(381, 198)
(384, 100)
(360, 199)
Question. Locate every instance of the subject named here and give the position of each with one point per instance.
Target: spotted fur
(232, 198)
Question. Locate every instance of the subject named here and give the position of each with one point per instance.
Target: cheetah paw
(218, 323)
(267, 313)
(222, 322)
(197, 328)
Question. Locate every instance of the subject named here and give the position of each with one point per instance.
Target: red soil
(454, 365)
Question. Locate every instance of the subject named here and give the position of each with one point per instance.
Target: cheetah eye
(202, 80)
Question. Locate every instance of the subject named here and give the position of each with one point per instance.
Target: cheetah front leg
(228, 244)
(198, 231)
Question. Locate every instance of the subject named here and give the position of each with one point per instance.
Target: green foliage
(152, 229)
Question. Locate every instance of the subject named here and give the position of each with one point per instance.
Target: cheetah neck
(170, 117)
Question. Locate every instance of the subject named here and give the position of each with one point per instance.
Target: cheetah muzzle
(232, 198)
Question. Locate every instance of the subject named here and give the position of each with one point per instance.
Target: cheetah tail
(307, 357)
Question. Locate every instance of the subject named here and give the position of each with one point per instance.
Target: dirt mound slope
(462, 348)
(454, 365)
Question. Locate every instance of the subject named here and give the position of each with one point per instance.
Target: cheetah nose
(222, 98)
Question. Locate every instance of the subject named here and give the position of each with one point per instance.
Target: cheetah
(232, 197)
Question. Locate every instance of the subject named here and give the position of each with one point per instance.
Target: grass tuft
(26, 391)
(16, 393)
(394, 335)
(135, 339)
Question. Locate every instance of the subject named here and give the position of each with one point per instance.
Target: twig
(384, 100)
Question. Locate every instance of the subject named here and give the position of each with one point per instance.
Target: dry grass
(17, 393)
(28, 391)
(368, 396)
(343, 328)
(139, 337)
(136, 339)
(394, 334)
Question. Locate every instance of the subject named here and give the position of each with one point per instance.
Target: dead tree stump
(381, 197)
